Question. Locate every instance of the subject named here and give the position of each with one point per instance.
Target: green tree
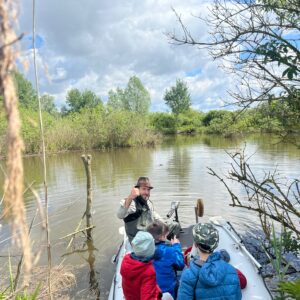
(47, 103)
(26, 93)
(116, 99)
(178, 97)
(77, 100)
(134, 98)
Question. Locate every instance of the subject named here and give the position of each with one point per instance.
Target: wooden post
(87, 164)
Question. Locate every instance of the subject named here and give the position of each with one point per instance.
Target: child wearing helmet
(209, 276)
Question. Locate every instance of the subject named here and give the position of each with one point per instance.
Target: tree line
(124, 121)
(256, 41)
(134, 98)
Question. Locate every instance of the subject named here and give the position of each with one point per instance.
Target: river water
(177, 170)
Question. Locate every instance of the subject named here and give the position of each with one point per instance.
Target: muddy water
(178, 171)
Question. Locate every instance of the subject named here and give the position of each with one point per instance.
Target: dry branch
(13, 186)
(271, 197)
(77, 231)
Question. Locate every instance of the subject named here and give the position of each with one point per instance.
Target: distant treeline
(125, 120)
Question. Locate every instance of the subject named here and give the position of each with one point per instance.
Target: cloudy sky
(99, 45)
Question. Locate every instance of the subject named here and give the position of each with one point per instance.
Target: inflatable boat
(229, 239)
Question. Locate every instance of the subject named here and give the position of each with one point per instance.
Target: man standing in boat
(137, 210)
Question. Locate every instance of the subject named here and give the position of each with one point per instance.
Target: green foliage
(178, 97)
(26, 94)
(275, 116)
(290, 243)
(87, 124)
(116, 100)
(189, 122)
(218, 121)
(278, 51)
(24, 295)
(163, 122)
(21, 296)
(214, 116)
(96, 128)
(28, 296)
(137, 97)
(77, 130)
(47, 104)
(119, 127)
(291, 289)
(279, 48)
(167, 123)
(127, 129)
(77, 100)
(278, 247)
(134, 98)
(30, 129)
(279, 115)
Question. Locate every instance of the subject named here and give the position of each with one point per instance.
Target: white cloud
(98, 46)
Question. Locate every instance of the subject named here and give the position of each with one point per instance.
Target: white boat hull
(240, 258)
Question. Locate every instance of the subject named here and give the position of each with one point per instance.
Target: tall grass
(95, 128)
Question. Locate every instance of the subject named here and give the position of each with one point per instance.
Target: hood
(133, 268)
(211, 272)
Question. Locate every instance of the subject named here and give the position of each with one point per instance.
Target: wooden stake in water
(87, 164)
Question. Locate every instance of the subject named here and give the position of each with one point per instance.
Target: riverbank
(102, 128)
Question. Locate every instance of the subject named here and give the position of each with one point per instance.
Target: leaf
(285, 71)
(290, 73)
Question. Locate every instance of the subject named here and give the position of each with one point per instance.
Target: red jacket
(139, 280)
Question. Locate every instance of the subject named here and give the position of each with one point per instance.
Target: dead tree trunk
(87, 164)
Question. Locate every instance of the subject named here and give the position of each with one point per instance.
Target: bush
(189, 122)
(163, 122)
(290, 289)
(218, 121)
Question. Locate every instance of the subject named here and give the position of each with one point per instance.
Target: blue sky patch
(193, 72)
(28, 40)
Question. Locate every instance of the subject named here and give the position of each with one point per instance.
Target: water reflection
(94, 284)
(179, 164)
(117, 165)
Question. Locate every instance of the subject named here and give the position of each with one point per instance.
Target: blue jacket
(214, 279)
(167, 259)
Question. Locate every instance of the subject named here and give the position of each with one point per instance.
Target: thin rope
(43, 151)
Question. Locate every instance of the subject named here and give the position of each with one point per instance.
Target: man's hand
(133, 194)
(175, 240)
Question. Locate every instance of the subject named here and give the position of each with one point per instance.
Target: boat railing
(241, 245)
